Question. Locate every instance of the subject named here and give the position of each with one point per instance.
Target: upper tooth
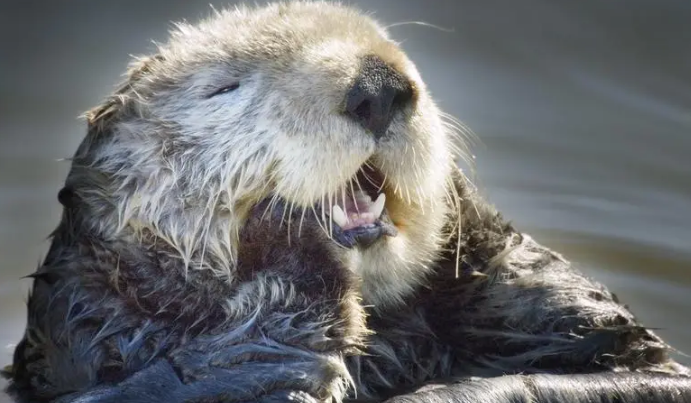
(378, 206)
(339, 216)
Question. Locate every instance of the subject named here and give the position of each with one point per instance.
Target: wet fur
(186, 267)
(612, 388)
(303, 333)
(473, 326)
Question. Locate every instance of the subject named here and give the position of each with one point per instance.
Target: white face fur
(248, 105)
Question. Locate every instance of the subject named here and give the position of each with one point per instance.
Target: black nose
(377, 94)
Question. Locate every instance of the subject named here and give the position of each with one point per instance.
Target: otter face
(309, 103)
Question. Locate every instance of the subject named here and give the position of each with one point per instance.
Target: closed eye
(224, 90)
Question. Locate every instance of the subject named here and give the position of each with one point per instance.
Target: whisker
(407, 192)
(420, 200)
(421, 23)
(290, 219)
(357, 181)
(458, 239)
(212, 202)
(370, 180)
(343, 199)
(450, 199)
(352, 194)
(302, 218)
(323, 205)
(331, 225)
(322, 225)
(283, 216)
(269, 206)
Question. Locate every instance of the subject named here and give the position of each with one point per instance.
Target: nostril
(377, 94)
(402, 98)
(362, 112)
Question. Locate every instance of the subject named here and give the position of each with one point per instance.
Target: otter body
(268, 209)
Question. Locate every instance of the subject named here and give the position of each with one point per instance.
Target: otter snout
(379, 91)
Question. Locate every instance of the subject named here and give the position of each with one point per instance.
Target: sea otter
(268, 209)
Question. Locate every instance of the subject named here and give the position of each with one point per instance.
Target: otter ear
(99, 117)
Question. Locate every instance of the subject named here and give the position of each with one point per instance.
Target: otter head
(310, 104)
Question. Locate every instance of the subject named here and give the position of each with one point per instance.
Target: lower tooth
(368, 217)
(378, 206)
(339, 216)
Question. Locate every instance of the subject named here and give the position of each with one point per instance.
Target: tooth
(339, 216)
(367, 217)
(378, 206)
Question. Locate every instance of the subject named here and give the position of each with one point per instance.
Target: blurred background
(582, 110)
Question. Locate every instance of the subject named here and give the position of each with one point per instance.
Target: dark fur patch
(601, 388)
(103, 312)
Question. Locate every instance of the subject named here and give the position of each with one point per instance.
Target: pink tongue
(358, 220)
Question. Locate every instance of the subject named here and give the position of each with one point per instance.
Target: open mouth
(360, 217)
